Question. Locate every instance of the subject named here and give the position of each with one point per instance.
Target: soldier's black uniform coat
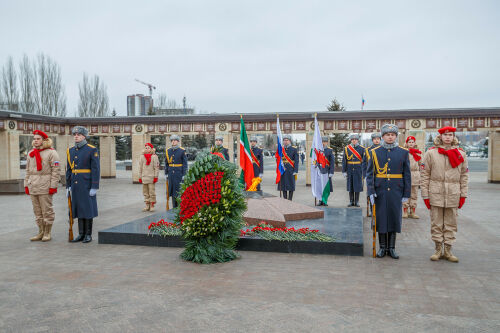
(82, 174)
(389, 191)
(287, 182)
(354, 167)
(175, 168)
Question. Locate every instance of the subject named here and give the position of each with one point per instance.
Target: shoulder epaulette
(362, 146)
(88, 144)
(182, 148)
(376, 148)
(294, 146)
(404, 148)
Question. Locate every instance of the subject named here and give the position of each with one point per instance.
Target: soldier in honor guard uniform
(330, 164)
(219, 140)
(40, 183)
(176, 166)
(291, 163)
(388, 181)
(415, 156)
(444, 185)
(353, 170)
(82, 182)
(257, 159)
(375, 143)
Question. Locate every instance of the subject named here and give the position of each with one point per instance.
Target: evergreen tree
(335, 106)
(123, 148)
(338, 142)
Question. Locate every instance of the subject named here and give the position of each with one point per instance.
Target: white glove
(404, 200)
(372, 198)
(295, 173)
(68, 192)
(182, 178)
(261, 175)
(345, 174)
(93, 192)
(330, 175)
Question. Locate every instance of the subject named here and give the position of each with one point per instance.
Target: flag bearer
(330, 164)
(257, 159)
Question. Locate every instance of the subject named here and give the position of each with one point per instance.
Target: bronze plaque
(273, 127)
(249, 126)
(198, 127)
(62, 129)
(105, 128)
(342, 124)
(211, 127)
(151, 127)
(446, 122)
(357, 124)
(463, 122)
(287, 126)
(431, 123)
(479, 122)
(495, 122)
(186, 127)
(235, 127)
(94, 129)
(261, 126)
(20, 125)
(400, 123)
(162, 128)
(30, 127)
(371, 125)
(173, 127)
(116, 128)
(328, 125)
(301, 125)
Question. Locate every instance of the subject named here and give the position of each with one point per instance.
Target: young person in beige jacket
(444, 185)
(40, 183)
(415, 156)
(149, 167)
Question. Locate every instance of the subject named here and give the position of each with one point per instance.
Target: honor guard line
(416, 123)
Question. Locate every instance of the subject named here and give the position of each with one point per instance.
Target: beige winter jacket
(39, 182)
(440, 183)
(149, 172)
(415, 170)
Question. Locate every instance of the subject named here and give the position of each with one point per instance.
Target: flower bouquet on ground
(268, 232)
(211, 209)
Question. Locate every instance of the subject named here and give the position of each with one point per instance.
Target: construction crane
(150, 86)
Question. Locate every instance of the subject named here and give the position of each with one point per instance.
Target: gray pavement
(62, 287)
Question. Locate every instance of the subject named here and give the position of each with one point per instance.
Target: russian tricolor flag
(280, 167)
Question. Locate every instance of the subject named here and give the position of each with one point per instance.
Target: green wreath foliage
(212, 232)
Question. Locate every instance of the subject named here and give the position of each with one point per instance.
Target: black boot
(285, 195)
(88, 231)
(324, 203)
(356, 199)
(382, 240)
(392, 245)
(351, 199)
(81, 231)
(290, 195)
(174, 202)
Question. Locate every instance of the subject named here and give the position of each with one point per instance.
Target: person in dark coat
(302, 157)
(175, 168)
(82, 182)
(389, 186)
(257, 159)
(353, 170)
(330, 164)
(291, 163)
(219, 140)
(375, 143)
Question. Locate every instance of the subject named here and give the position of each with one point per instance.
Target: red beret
(148, 144)
(446, 129)
(410, 138)
(42, 134)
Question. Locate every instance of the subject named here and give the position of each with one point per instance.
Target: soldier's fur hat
(253, 138)
(174, 137)
(325, 139)
(389, 128)
(354, 136)
(375, 135)
(80, 130)
(219, 137)
(287, 136)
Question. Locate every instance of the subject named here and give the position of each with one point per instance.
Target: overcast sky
(268, 56)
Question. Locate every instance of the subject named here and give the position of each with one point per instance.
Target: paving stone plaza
(62, 287)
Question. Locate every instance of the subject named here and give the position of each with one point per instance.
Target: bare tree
(26, 80)
(10, 94)
(161, 101)
(49, 92)
(94, 100)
